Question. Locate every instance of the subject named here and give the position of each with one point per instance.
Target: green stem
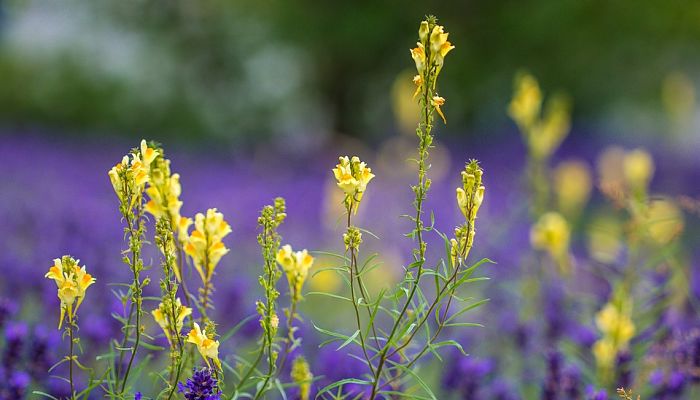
(70, 363)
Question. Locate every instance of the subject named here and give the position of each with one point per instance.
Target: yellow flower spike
(437, 102)
(343, 174)
(302, 377)
(72, 282)
(418, 55)
(352, 177)
(207, 347)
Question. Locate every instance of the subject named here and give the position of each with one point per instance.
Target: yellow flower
(302, 376)
(572, 184)
(72, 283)
(418, 81)
(664, 221)
(604, 352)
(418, 54)
(471, 195)
(617, 329)
(551, 233)
(353, 176)
(525, 106)
(440, 54)
(423, 31)
(437, 102)
(183, 227)
(207, 347)
(147, 153)
(638, 167)
(204, 244)
(296, 265)
(615, 323)
(438, 38)
(130, 175)
(160, 315)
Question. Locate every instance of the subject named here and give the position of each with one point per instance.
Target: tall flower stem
(135, 228)
(71, 356)
(353, 270)
(420, 190)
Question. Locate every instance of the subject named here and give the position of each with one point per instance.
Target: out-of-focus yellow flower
(438, 102)
(605, 238)
(638, 168)
(72, 282)
(572, 185)
(160, 315)
(352, 176)
(207, 347)
(617, 329)
(543, 133)
(302, 376)
(551, 233)
(664, 221)
(526, 104)
(296, 266)
(204, 244)
(552, 129)
(604, 352)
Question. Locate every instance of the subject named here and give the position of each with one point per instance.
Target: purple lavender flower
(595, 394)
(40, 349)
(137, 396)
(202, 386)
(16, 385)
(624, 369)
(571, 382)
(7, 309)
(550, 387)
(15, 336)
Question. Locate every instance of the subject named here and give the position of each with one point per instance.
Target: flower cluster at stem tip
(429, 56)
(130, 176)
(470, 196)
(353, 176)
(72, 282)
(204, 244)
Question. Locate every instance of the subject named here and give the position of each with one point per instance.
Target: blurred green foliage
(244, 71)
